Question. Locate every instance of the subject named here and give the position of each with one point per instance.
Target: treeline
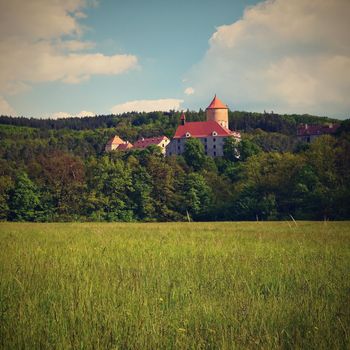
(165, 123)
(64, 175)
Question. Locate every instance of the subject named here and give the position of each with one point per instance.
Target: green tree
(24, 199)
(164, 194)
(197, 194)
(194, 153)
(6, 185)
(142, 194)
(110, 188)
(246, 149)
(231, 152)
(235, 150)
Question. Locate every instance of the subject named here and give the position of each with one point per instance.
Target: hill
(166, 122)
(57, 170)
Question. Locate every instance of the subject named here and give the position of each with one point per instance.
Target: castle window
(214, 133)
(214, 139)
(188, 134)
(178, 141)
(214, 153)
(178, 147)
(205, 140)
(214, 146)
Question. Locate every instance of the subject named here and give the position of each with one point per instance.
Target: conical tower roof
(216, 104)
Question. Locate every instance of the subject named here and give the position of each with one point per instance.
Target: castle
(212, 132)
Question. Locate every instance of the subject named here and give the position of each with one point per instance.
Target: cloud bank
(40, 41)
(147, 106)
(286, 56)
(64, 115)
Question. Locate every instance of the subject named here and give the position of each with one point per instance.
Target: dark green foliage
(6, 185)
(23, 200)
(194, 153)
(247, 148)
(197, 194)
(71, 178)
(235, 151)
(110, 190)
(231, 149)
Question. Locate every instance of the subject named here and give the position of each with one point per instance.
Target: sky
(62, 58)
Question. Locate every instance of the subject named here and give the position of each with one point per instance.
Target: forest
(57, 170)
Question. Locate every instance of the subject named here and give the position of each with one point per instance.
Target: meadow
(257, 285)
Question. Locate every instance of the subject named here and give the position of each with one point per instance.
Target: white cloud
(40, 41)
(189, 91)
(64, 115)
(289, 56)
(61, 115)
(5, 108)
(85, 114)
(147, 106)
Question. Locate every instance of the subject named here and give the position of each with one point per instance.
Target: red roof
(124, 146)
(203, 129)
(216, 104)
(143, 143)
(307, 130)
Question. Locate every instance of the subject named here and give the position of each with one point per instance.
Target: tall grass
(175, 286)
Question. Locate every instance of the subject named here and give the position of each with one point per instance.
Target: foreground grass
(184, 286)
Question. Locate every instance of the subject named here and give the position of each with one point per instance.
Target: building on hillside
(116, 143)
(307, 133)
(160, 141)
(212, 132)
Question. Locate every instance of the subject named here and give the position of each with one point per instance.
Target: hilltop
(57, 170)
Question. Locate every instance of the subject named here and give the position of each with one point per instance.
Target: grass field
(175, 286)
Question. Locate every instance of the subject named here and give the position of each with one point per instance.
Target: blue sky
(79, 57)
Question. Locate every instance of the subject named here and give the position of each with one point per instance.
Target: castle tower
(218, 112)
(183, 118)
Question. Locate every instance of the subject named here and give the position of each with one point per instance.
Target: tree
(110, 189)
(247, 148)
(24, 199)
(62, 176)
(231, 149)
(194, 153)
(197, 194)
(141, 195)
(235, 150)
(6, 185)
(164, 194)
